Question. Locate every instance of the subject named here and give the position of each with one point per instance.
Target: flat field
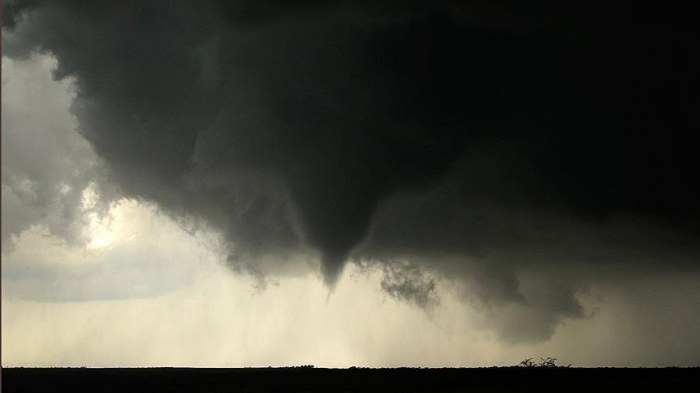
(307, 379)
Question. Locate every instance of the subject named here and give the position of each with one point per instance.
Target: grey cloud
(405, 281)
(475, 141)
(281, 148)
(546, 305)
(46, 166)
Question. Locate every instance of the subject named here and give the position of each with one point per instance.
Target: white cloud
(135, 252)
(46, 164)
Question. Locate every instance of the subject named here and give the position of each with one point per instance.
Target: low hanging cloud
(484, 142)
(405, 281)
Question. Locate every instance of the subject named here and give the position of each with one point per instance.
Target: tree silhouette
(549, 362)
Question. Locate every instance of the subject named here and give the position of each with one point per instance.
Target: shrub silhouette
(544, 363)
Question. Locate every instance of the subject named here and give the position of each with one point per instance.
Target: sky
(244, 183)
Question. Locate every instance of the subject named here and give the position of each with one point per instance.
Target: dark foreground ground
(349, 380)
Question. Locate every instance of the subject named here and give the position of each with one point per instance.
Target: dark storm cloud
(458, 135)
